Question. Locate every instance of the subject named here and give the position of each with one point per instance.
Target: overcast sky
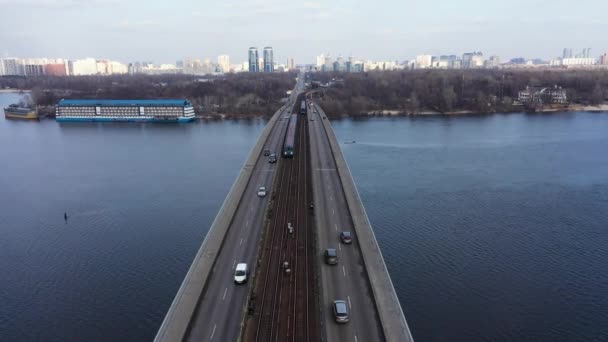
(170, 30)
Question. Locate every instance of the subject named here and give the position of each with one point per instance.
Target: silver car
(340, 311)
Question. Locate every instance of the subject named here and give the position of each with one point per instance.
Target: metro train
(290, 137)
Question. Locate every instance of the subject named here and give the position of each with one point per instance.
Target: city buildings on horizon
(266, 63)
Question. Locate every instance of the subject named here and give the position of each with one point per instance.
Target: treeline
(444, 91)
(243, 93)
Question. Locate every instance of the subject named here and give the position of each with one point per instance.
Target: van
(240, 273)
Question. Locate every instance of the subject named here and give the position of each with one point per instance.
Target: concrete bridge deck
(210, 307)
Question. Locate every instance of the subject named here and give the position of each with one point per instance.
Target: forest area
(232, 94)
(450, 91)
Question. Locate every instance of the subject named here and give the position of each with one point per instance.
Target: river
(493, 227)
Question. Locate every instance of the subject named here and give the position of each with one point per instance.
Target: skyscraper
(224, 63)
(253, 60)
(268, 59)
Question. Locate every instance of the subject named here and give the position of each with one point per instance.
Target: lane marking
(241, 242)
(343, 271)
(234, 263)
(340, 248)
(226, 290)
(213, 332)
(247, 223)
(336, 226)
(333, 211)
(355, 338)
(331, 198)
(349, 306)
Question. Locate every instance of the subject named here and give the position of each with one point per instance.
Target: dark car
(340, 309)
(266, 152)
(331, 256)
(346, 237)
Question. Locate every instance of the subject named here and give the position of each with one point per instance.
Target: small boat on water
(14, 111)
(350, 142)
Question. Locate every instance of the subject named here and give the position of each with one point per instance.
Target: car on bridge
(272, 158)
(262, 191)
(340, 309)
(240, 273)
(346, 238)
(331, 256)
(266, 153)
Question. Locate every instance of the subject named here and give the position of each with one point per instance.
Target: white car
(262, 191)
(240, 273)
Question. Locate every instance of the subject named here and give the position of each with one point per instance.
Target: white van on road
(240, 273)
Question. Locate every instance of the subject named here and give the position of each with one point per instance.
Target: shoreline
(11, 90)
(577, 108)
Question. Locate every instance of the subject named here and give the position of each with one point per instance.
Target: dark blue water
(493, 228)
(140, 199)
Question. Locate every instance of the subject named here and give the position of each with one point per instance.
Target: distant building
(534, 96)
(254, 66)
(291, 64)
(578, 61)
(224, 63)
(472, 60)
(604, 59)
(87, 66)
(58, 69)
(268, 59)
(320, 61)
(34, 69)
(424, 61)
(13, 67)
(567, 53)
(493, 62)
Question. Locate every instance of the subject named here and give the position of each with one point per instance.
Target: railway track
(284, 291)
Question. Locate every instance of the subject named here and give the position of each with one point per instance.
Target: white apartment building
(224, 62)
(87, 66)
(423, 61)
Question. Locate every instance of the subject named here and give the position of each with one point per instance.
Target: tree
(597, 96)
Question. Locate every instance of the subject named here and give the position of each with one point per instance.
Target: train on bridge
(290, 137)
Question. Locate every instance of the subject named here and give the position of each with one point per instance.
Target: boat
(160, 110)
(16, 112)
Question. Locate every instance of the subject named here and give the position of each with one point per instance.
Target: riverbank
(11, 90)
(572, 108)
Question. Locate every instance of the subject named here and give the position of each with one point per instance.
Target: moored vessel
(16, 112)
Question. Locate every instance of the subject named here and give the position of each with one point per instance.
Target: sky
(171, 30)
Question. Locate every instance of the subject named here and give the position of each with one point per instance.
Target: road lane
(350, 282)
(218, 315)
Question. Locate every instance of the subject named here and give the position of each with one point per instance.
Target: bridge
(311, 198)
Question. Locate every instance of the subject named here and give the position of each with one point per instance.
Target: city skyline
(389, 30)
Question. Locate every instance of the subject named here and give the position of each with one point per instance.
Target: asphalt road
(219, 313)
(348, 279)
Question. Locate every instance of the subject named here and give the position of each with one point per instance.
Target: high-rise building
(268, 59)
(253, 60)
(291, 64)
(224, 62)
(320, 60)
(567, 53)
(604, 59)
(423, 61)
(13, 67)
(472, 60)
(87, 66)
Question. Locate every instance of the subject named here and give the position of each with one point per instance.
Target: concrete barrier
(177, 320)
(391, 315)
